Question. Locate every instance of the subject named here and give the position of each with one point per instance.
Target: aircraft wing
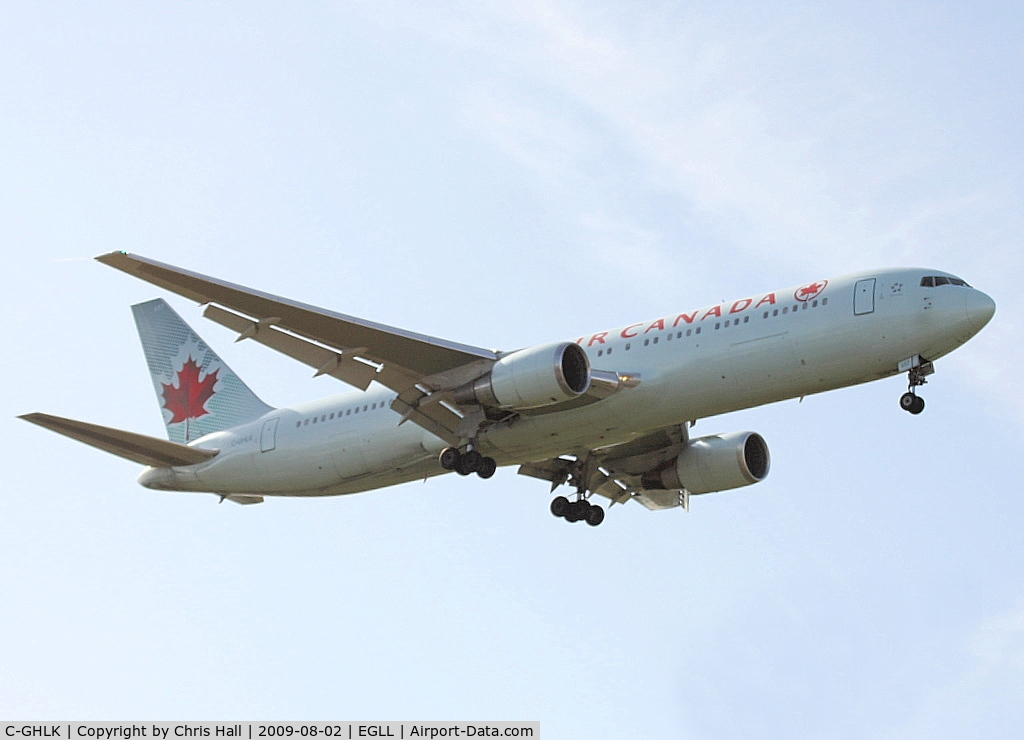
(351, 349)
(159, 453)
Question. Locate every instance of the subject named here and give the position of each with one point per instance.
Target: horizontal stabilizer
(158, 453)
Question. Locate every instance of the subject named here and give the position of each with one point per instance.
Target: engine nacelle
(530, 378)
(716, 463)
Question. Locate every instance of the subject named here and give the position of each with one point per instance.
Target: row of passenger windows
(720, 325)
(933, 281)
(338, 414)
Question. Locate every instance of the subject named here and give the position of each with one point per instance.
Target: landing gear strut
(910, 401)
(467, 463)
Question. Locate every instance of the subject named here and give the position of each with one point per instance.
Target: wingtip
(110, 257)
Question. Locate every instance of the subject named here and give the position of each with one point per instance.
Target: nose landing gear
(917, 368)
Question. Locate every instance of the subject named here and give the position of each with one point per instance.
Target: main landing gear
(467, 463)
(910, 401)
(580, 510)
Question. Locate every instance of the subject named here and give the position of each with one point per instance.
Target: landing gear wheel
(462, 466)
(912, 403)
(595, 516)
(578, 511)
(487, 467)
(449, 458)
(560, 506)
(473, 460)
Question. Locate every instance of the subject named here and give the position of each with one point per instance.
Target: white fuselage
(697, 364)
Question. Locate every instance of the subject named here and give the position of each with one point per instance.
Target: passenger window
(655, 340)
(746, 319)
(609, 350)
(804, 307)
(814, 304)
(627, 345)
(314, 420)
(689, 332)
(305, 422)
(718, 324)
(775, 312)
(785, 309)
(698, 330)
(824, 301)
(298, 424)
(348, 412)
(646, 342)
(357, 409)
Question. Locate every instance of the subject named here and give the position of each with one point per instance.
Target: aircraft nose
(980, 309)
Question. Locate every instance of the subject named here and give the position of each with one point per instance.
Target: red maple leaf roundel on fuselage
(809, 291)
(188, 400)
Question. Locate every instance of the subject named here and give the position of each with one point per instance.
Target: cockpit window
(933, 281)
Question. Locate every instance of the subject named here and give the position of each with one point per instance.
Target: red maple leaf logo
(810, 291)
(187, 401)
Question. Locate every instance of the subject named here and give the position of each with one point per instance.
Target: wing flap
(159, 453)
(341, 365)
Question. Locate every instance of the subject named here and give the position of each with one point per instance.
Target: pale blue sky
(503, 174)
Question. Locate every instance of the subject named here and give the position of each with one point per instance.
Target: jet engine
(715, 463)
(530, 378)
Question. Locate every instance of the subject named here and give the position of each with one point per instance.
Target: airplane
(608, 413)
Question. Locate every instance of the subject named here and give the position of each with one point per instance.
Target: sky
(504, 174)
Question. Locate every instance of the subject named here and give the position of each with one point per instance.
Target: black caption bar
(263, 730)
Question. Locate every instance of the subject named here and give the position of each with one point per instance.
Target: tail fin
(197, 391)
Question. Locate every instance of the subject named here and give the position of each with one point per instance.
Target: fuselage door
(864, 297)
(268, 437)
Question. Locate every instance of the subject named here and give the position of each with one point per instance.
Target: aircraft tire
(560, 506)
(918, 406)
(578, 511)
(449, 458)
(908, 401)
(595, 516)
(487, 468)
(462, 466)
(473, 460)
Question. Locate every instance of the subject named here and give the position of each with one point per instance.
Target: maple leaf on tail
(188, 400)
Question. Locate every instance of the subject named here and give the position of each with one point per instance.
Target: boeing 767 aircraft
(609, 413)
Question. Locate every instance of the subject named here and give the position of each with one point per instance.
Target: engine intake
(530, 378)
(715, 463)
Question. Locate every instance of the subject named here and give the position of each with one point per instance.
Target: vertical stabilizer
(197, 392)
